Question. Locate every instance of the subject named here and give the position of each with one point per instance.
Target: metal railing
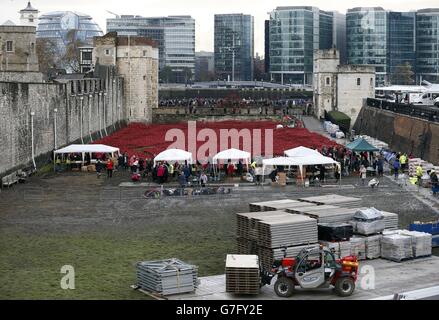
(417, 111)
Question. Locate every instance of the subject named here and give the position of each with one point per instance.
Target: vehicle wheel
(344, 287)
(284, 287)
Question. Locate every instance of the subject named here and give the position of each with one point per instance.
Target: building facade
(174, 35)
(18, 49)
(204, 66)
(367, 40)
(234, 47)
(339, 35)
(340, 87)
(294, 34)
(427, 45)
(136, 60)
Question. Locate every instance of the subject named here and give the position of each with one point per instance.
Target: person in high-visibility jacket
(171, 170)
(403, 162)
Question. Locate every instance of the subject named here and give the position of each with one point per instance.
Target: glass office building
(294, 34)
(175, 37)
(401, 42)
(367, 40)
(234, 47)
(427, 45)
(64, 26)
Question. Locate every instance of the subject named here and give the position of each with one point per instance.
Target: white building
(340, 87)
(29, 16)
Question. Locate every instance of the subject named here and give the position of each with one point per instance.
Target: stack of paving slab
(285, 231)
(390, 220)
(272, 205)
(328, 213)
(242, 274)
(167, 277)
(266, 233)
(334, 199)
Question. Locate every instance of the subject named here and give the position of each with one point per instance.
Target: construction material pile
(421, 241)
(358, 247)
(267, 233)
(285, 231)
(373, 246)
(426, 166)
(368, 221)
(334, 232)
(267, 256)
(167, 277)
(390, 220)
(242, 274)
(396, 247)
(273, 205)
(329, 214)
(334, 199)
(374, 142)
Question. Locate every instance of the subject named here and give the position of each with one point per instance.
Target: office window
(9, 46)
(358, 81)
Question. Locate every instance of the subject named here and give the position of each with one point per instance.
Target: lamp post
(89, 117)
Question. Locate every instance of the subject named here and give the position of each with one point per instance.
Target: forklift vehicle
(310, 269)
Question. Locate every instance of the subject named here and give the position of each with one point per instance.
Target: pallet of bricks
(401, 245)
(242, 274)
(270, 233)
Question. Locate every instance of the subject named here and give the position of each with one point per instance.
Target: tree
(47, 53)
(403, 74)
(166, 74)
(71, 57)
(187, 75)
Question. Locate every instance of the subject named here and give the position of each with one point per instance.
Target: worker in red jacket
(109, 168)
(160, 173)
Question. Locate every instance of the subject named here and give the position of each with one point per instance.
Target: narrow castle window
(328, 81)
(9, 46)
(358, 81)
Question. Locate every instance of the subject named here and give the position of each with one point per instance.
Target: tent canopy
(87, 148)
(301, 152)
(361, 145)
(232, 154)
(174, 155)
(280, 161)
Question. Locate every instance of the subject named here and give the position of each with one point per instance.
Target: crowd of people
(224, 102)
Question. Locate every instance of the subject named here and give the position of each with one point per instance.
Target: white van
(430, 98)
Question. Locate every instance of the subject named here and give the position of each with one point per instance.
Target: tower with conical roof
(29, 16)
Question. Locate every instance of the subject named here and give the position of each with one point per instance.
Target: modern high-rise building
(267, 45)
(234, 47)
(63, 27)
(388, 40)
(204, 66)
(427, 44)
(401, 42)
(294, 34)
(367, 39)
(339, 35)
(175, 37)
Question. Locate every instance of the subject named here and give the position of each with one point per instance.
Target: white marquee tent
(299, 161)
(174, 155)
(233, 155)
(301, 152)
(87, 148)
(83, 149)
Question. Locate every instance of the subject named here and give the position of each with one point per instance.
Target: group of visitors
(232, 102)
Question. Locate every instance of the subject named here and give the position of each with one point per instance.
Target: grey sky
(202, 10)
